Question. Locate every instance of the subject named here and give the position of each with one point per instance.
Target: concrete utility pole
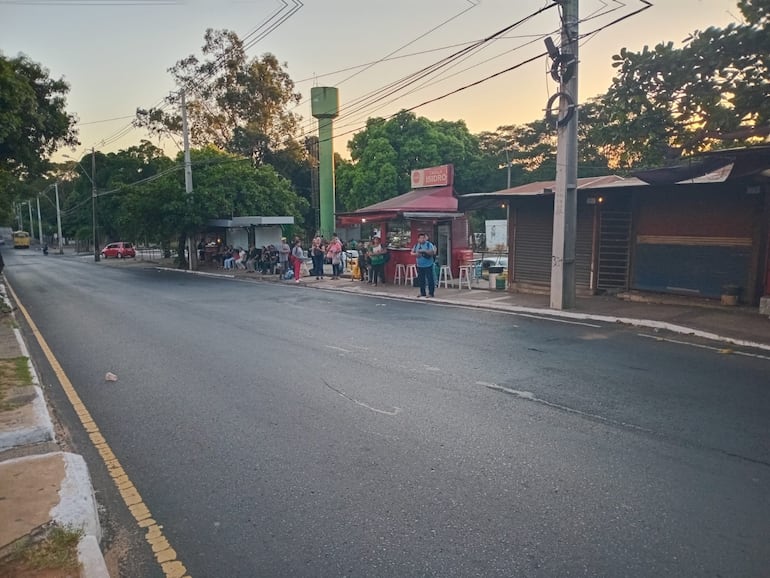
(188, 184)
(31, 222)
(565, 198)
(93, 204)
(39, 222)
(58, 218)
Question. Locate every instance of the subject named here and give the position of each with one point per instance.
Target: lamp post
(93, 203)
(508, 164)
(91, 178)
(58, 218)
(31, 222)
(39, 222)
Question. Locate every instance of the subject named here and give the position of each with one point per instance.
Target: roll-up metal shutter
(584, 245)
(706, 247)
(533, 242)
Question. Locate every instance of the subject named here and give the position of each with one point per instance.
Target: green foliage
(237, 104)
(386, 151)
(33, 123)
(712, 91)
(224, 186)
(58, 550)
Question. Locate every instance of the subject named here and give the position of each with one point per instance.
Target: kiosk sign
(432, 177)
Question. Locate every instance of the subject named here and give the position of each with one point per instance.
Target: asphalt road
(278, 430)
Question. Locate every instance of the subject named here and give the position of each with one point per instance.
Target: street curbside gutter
(76, 506)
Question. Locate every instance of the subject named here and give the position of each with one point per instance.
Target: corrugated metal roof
(428, 199)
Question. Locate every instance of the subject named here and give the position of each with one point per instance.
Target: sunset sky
(115, 54)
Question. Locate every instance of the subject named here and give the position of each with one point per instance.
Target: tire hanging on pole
(553, 118)
(563, 68)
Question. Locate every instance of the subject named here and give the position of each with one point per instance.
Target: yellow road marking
(164, 553)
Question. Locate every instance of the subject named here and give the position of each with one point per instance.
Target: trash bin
(500, 282)
(493, 281)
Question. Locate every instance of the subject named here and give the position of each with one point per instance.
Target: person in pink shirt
(297, 256)
(334, 252)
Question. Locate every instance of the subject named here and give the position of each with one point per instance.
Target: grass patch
(57, 550)
(13, 372)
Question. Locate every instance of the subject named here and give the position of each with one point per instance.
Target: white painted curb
(39, 432)
(91, 558)
(77, 503)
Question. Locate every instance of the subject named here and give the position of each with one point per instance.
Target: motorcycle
(45, 249)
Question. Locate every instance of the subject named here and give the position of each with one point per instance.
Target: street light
(93, 197)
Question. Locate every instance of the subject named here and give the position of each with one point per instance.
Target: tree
(386, 151)
(225, 186)
(238, 104)
(711, 92)
(33, 122)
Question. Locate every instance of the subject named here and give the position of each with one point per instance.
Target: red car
(120, 249)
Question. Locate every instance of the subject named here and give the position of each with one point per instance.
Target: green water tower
(326, 106)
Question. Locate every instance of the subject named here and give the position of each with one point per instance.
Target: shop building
(431, 208)
(699, 229)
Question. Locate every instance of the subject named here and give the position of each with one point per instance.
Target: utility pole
(39, 221)
(508, 163)
(188, 184)
(93, 204)
(565, 197)
(58, 218)
(31, 222)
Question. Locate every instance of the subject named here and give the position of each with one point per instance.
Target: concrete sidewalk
(736, 325)
(40, 485)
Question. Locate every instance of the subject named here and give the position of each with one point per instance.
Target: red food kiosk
(431, 208)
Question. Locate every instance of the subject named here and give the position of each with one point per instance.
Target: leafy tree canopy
(142, 193)
(386, 151)
(667, 101)
(33, 123)
(237, 104)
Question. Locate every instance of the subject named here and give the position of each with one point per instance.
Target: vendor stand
(431, 208)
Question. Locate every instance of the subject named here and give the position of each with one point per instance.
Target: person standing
(333, 253)
(425, 252)
(377, 256)
(317, 254)
(297, 256)
(283, 256)
(363, 260)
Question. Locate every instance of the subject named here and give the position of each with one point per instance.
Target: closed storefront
(694, 242)
(533, 242)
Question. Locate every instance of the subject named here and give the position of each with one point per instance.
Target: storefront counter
(397, 256)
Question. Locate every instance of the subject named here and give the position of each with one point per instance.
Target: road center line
(396, 410)
(164, 554)
(338, 348)
(529, 396)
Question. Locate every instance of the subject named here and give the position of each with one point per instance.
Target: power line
(105, 120)
(501, 72)
(216, 66)
(376, 96)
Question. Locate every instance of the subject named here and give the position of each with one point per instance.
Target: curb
(77, 506)
(514, 309)
(634, 322)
